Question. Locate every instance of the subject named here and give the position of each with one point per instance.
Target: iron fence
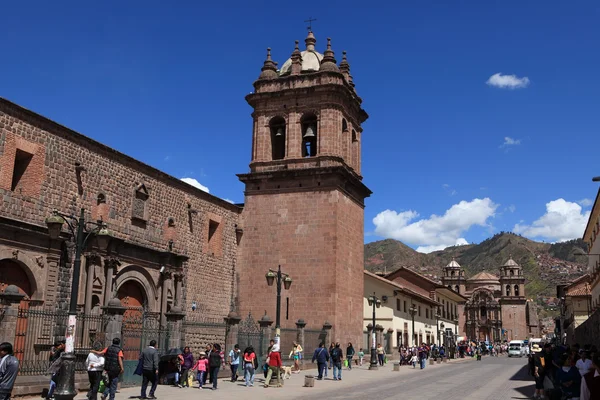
(38, 330)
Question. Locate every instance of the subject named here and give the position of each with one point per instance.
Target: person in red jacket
(274, 361)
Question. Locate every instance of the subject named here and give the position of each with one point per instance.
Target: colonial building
(496, 306)
(181, 261)
(304, 199)
(404, 317)
(576, 307)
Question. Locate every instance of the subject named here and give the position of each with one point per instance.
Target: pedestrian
(188, 363)
(413, 360)
(584, 364)
(337, 356)
(266, 364)
(590, 384)
(539, 371)
(321, 356)
(331, 347)
(274, 366)
(250, 365)
(361, 356)
(113, 365)
(201, 366)
(9, 368)
(380, 354)
(295, 354)
(234, 362)
(149, 369)
(214, 364)
(178, 374)
(208, 351)
(349, 354)
(55, 354)
(569, 378)
(94, 365)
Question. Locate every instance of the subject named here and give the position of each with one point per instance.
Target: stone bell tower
(304, 196)
(513, 301)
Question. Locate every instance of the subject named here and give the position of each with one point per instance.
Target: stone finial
(345, 67)
(310, 41)
(296, 60)
(269, 69)
(233, 318)
(328, 63)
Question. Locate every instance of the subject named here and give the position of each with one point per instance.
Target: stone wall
(145, 208)
(589, 331)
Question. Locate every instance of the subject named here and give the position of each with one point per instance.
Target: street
(493, 378)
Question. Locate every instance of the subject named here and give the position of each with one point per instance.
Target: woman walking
(296, 354)
(349, 354)
(380, 354)
(214, 362)
(201, 366)
(250, 365)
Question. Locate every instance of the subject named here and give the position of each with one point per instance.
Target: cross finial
(310, 21)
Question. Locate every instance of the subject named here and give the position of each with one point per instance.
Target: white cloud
(195, 183)
(436, 232)
(562, 221)
(449, 189)
(585, 202)
(511, 208)
(507, 81)
(508, 141)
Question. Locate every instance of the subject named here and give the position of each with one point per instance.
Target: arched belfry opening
(278, 136)
(309, 135)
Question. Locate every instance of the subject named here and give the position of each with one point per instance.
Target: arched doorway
(11, 273)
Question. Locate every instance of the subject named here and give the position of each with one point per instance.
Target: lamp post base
(373, 366)
(65, 387)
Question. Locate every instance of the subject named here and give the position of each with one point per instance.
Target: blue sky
(452, 153)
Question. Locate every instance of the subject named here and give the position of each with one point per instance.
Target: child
(361, 355)
(414, 360)
(201, 365)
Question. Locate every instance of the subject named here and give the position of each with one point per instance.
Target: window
(405, 309)
(278, 134)
(508, 290)
(309, 135)
(101, 199)
(214, 238)
(344, 125)
(456, 289)
(516, 290)
(427, 313)
(419, 311)
(512, 272)
(22, 160)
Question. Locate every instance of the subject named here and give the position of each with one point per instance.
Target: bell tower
(454, 277)
(513, 301)
(304, 196)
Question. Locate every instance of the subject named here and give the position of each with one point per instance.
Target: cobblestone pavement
(493, 378)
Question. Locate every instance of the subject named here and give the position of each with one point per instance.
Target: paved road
(493, 378)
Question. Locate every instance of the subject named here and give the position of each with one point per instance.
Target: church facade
(179, 253)
(496, 309)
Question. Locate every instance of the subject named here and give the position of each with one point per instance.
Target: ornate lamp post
(413, 310)
(437, 325)
(442, 342)
(375, 303)
(287, 282)
(65, 388)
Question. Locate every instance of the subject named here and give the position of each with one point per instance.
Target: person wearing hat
(274, 365)
(538, 371)
(201, 366)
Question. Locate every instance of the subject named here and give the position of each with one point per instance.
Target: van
(516, 348)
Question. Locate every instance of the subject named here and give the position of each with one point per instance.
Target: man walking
(234, 362)
(59, 348)
(149, 369)
(113, 365)
(321, 356)
(9, 367)
(336, 357)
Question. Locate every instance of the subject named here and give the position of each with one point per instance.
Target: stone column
(174, 324)
(300, 325)
(108, 282)
(89, 285)
(166, 283)
(265, 325)
(114, 312)
(327, 330)
(10, 300)
(231, 336)
(178, 291)
(379, 334)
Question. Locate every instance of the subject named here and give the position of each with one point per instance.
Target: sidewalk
(293, 388)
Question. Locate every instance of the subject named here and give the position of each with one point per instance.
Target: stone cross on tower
(310, 21)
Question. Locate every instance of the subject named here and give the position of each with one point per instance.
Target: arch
(277, 128)
(508, 290)
(32, 268)
(344, 125)
(456, 289)
(516, 290)
(11, 273)
(140, 275)
(101, 199)
(310, 134)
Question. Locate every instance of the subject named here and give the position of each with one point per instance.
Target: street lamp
(443, 334)
(65, 388)
(413, 311)
(375, 303)
(287, 282)
(437, 323)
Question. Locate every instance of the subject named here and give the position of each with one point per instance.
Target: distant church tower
(454, 277)
(304, 196)
(513, 301)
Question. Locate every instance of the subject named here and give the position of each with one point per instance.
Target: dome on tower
(311, 59)
(453, 264)
(510, 263)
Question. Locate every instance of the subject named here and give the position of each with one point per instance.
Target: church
(180, 264)
(496, 308)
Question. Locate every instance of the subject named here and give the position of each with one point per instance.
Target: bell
(279, 132)
(310, 132)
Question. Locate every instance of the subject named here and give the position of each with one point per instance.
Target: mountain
(544, 265)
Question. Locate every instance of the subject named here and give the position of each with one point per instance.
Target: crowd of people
(565, 372)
